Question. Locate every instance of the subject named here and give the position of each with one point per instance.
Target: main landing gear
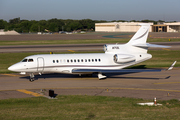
(31, 79)
(101, 76)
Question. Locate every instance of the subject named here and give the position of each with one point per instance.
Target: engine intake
(124, 58)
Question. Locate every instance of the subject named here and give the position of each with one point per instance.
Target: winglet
(171, 67)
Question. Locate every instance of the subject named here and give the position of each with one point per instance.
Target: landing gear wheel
(101, 76)
(31, 79)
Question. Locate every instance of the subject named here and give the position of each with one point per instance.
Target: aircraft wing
(100, 71)
(114, 70)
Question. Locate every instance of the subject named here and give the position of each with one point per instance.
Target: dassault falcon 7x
(115, 58)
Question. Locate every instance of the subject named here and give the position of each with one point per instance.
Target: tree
(14, 21)
(25, 25)
(88, 24)
(75, 25)
(55, 25)
(3, 24)
(34, 27)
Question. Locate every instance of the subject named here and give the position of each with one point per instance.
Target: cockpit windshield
(24, 60)
(27, 60)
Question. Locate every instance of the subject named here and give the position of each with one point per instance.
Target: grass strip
(105, 41)
(83, 107)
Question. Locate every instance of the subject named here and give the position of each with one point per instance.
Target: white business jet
(115, 58)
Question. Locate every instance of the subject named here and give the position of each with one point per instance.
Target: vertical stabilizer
(141, 35)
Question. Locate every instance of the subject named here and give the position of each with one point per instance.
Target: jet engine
(124, 58)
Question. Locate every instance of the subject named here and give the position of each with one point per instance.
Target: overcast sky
(168, 10)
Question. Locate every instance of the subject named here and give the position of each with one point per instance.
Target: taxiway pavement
(162, 85)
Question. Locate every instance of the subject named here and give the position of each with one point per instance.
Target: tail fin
(141, 35)
(138, 41)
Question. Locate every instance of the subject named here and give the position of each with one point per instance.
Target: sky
(167, 10)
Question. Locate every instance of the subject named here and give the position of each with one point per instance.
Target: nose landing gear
(31, 79)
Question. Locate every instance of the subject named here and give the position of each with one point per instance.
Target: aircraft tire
(31, 79)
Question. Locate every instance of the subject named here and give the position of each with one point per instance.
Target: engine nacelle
(124, 58)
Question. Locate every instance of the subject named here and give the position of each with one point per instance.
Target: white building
(133, 27)
(167, 27)
(118, 27)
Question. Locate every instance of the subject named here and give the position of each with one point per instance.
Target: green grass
(83, 107)
(51, 42)
(105, 41)
(163, 40)
(161, 58)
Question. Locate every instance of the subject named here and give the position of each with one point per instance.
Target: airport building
(133, 27)
(167, 27)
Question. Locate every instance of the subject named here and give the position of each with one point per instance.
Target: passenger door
(40, 64)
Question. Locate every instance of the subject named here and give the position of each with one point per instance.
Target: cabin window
(92, 60)
(78, 60)
(85, 60)
(81, 60)
(57, 61)
(89, 60)
(67, 60)
(71, 60)
(25, 60)
(99, 60)
(53, 61)
(74, 60)
(30, 60)
(95, 60)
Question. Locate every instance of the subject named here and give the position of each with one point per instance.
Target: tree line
(55, 25)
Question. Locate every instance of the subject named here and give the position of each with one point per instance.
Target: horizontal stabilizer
(147, 45)
(114, 71)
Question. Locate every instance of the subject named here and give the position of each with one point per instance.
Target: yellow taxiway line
(71, 50)
(166, 83)
(166, 49)
(29, 92)
(11, 75)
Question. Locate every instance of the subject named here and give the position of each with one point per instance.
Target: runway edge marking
(29, 92)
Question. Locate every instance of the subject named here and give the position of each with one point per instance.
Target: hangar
(133, 27)
(167, 27)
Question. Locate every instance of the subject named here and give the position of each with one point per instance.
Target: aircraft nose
(12, 68)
